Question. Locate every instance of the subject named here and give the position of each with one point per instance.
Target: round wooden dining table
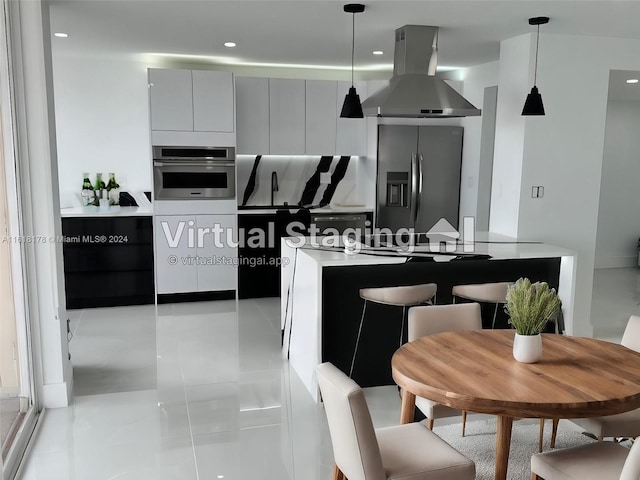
(475, 371)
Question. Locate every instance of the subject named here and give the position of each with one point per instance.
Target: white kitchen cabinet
(320, 117)
(213, 109)
(286, 116)
(174, 272)
(252, 115)
(351, 133)
(185, 263)
(191, 101)
(217, 271)
(171, 99)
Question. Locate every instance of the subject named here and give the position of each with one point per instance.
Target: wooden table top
(476, 371)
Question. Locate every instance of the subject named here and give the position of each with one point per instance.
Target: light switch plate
(325, 178)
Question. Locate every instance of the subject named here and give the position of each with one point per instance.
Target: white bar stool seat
(402, 296)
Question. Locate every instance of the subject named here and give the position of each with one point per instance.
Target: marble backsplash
(308, 180)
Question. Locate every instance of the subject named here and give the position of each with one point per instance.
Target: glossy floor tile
(201, 391)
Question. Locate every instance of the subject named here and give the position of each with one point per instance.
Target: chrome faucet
(274, 185)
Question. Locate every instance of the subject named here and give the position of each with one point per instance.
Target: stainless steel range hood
(414, 91)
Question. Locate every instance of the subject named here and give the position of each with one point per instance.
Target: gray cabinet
(286, 116)
(191, 100)
(321, 116)
(252, 115)
(171, 97)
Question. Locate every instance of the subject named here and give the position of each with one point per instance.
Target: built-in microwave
(194, 172)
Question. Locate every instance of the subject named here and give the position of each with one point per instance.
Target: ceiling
(318, 33)
(619, 89)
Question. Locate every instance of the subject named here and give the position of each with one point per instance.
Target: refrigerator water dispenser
(397, 188)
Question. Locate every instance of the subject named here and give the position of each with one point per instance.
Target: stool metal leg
(404, 308)
(355, 351)
(495, 312)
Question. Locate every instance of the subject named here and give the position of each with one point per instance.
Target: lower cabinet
(195, 253)
(108, 261)
(259, 264)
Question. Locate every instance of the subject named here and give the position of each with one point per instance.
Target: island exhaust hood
(414, 91)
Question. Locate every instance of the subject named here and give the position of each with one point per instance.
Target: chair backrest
(631, 469)
(631, 336)
(483, 292)
(355, 447)
(443, 318)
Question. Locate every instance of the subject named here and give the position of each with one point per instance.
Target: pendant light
(352, 108)
(533, 104)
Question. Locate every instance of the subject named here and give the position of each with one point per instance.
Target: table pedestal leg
(408, 406)
(503, 444)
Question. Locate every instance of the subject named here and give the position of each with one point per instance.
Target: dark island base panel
(342, 306)
(196, 296)
(74, 304)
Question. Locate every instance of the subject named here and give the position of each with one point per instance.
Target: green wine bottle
(87, 190)
(114, 190)
(98, 188)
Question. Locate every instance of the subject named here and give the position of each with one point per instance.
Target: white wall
(102, 117)
(619, 213)
(513, 82)
(561, 151)
(475, 79)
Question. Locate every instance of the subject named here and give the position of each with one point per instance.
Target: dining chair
(625, 424)
(402, 452)
(438, 319)
(403, 296)
(483, 293)
(595, 461)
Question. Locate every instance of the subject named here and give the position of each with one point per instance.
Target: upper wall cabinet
(286, 116)
(297, 117)
(252, 115)
(171, 96)
(320, 118)
(191, 100)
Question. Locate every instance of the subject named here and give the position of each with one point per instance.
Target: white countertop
(499, 247)
(144, 209)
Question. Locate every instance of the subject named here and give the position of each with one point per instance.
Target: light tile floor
(201, 391)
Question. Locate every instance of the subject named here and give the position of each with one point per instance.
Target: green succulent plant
(531, 305)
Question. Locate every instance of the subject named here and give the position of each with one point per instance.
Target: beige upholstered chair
(404, 296)
(407, 452)
(624, 424)
(596, 461)
(437, 319)
(483, 293)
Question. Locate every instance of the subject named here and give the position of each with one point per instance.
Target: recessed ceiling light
(229, 44)
(378, 52)
(632, 80)
(60, 35)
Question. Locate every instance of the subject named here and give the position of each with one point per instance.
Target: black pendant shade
(352, 108)
(533, 104)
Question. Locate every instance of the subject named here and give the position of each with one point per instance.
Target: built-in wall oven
(193, 172)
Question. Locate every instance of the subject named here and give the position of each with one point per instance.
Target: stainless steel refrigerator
(418, 176)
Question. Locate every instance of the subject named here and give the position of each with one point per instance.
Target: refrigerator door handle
(414, 189)
(419, 164)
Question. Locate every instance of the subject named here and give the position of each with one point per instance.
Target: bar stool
(405, 296)
(483, 293)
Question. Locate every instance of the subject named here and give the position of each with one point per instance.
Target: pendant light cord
(353, 42)
(535, 71)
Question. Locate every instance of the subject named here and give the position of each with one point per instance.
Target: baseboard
(196, 296)
(616, 262)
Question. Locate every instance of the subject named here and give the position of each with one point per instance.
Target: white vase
(527, 348)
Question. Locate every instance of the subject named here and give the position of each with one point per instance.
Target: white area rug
(479, 444)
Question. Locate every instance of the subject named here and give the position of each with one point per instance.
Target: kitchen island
(321, 307)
